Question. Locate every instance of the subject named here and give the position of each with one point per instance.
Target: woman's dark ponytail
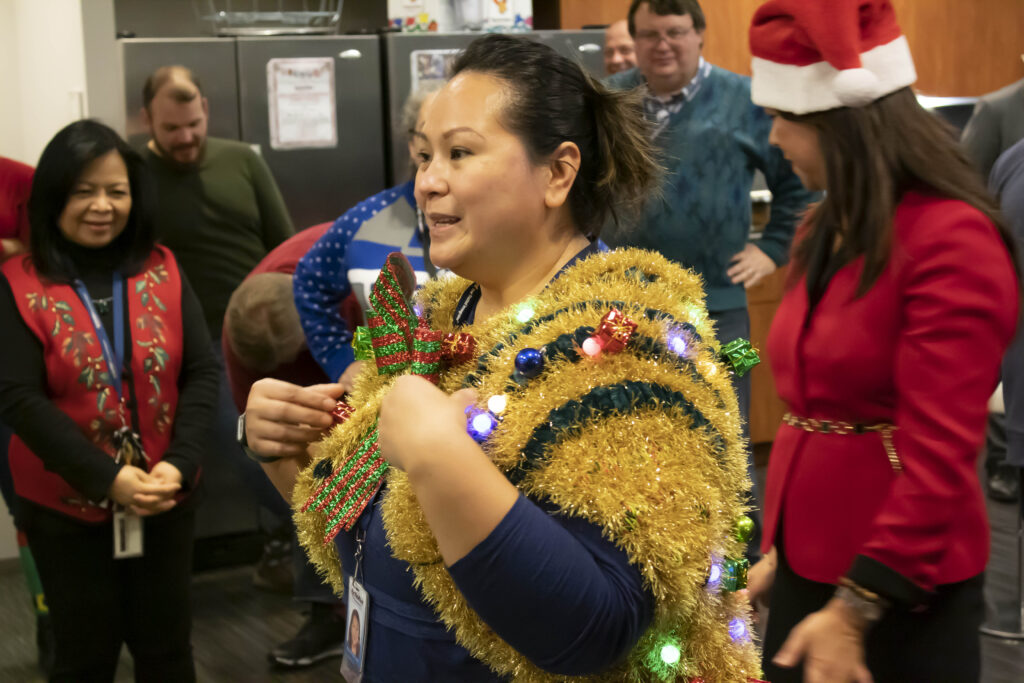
(629, 173)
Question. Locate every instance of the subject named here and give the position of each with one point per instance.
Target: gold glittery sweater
(645, 443)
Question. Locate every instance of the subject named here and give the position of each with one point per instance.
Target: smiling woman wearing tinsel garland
(540, 475)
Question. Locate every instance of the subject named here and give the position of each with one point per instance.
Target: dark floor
(236, 624)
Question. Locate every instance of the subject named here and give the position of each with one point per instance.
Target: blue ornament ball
(529, 363)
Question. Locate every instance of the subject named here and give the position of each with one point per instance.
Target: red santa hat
(814, 55)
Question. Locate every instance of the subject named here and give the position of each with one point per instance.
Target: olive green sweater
(219, 218)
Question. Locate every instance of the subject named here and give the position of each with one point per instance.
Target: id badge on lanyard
(357, 619)
(127, 525)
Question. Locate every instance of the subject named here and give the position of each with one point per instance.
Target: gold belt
(810, 424)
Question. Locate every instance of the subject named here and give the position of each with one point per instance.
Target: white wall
(103, 67)
(10, 113)
(43, 69)
(42, 74)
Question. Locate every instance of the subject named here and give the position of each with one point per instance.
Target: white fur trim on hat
(820, 86)
(856, 87)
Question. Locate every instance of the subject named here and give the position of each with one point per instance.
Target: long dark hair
(553, 100)
(60, 165)
(873, 155)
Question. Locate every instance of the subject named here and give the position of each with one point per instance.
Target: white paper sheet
(303, 113)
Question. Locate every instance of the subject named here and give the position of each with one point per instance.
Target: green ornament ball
(744, 529)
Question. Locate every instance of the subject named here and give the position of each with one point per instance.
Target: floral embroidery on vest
(150, 324)
(75, 344)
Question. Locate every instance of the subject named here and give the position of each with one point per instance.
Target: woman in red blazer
(885, 347)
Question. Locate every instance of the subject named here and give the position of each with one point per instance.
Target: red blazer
(920, 350)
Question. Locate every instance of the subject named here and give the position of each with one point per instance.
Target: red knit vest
(78, 379)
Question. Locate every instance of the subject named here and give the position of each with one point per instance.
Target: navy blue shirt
(551, 586)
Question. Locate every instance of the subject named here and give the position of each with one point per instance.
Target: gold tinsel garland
(663, 489)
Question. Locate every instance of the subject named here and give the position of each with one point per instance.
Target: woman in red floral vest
(107, 381)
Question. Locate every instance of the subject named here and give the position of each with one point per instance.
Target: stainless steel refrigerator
(320, 177)
(412, 57)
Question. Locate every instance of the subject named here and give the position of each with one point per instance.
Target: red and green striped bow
(399, 338)
(398, 341)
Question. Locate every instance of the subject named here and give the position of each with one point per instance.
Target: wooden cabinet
(766, 408)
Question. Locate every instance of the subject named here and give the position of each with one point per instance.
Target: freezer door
(582, 46)
(319, 183)
(406, 56)
(212, 60)
(405, 53)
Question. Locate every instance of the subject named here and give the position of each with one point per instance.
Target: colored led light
(677, 343)
(483, 424)
(496, 404)
(670, 654)
(714, 575)
(738, 629)
(592, 347)
(525, 313)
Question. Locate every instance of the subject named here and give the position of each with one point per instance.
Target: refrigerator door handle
(589, 47)
(350, 54)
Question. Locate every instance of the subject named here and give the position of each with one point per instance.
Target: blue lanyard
(113, 357)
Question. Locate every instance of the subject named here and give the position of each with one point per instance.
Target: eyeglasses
(674, 36)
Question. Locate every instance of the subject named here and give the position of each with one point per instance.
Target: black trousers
(938, 645)
(97, 603)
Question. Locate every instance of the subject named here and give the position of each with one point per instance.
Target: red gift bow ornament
(342, 412)
(458, 347)
(615, 331)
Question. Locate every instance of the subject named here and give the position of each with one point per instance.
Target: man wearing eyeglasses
(712, 139)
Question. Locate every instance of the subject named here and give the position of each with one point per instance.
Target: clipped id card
(127, 535)
(356, 629)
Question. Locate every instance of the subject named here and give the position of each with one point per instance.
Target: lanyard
(361, 528)
(114, 362)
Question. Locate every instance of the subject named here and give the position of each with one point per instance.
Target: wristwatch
(870, 606)
(244, 443)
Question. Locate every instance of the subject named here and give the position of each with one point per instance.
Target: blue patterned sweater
(348, 258)
(711, 148)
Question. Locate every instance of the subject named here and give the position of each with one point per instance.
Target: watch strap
(244, 443)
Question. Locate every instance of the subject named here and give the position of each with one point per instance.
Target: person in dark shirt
(996, 125)
(220, 212)
(218, 207)
(108, 382)
(1007, 183)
